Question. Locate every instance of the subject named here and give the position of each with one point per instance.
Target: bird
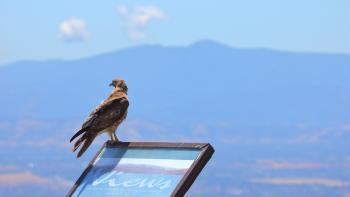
(105, 118)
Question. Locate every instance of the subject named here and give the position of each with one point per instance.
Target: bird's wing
(104, 116)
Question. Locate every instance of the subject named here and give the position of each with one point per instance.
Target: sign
(142, 169)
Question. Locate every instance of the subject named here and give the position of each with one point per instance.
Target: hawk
(105, 118)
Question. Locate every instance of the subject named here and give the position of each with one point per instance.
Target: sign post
(143, 169)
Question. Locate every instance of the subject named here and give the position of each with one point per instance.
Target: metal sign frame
(206, 151)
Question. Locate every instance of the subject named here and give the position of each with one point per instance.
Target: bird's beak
(111, 84)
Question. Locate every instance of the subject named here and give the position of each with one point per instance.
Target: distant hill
(206, 81)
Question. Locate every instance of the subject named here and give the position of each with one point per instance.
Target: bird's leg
(115, 137)
(112, 137)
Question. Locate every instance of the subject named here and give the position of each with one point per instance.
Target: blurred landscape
(279, 121)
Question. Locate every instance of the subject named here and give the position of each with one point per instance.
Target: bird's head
(119, 83)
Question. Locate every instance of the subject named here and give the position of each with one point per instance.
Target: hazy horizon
(175, 46)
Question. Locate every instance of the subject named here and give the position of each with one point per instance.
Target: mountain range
(279, 120)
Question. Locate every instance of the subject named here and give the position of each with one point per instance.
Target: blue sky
(41, 29)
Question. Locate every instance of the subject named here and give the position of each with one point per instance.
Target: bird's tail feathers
(87, 142)
(76, 134)
(78, 143)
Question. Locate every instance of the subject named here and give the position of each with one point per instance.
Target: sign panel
(142, 169)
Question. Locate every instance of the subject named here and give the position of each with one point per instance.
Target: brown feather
(77, 144)
(87, 143)
(76, 135)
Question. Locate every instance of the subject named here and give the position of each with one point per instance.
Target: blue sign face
(136, 172)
